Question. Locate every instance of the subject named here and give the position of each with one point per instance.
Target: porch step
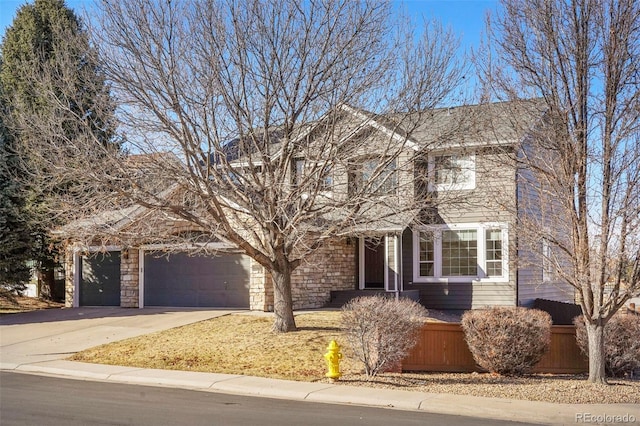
(340, 298)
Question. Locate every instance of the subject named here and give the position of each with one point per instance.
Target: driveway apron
(33, 337)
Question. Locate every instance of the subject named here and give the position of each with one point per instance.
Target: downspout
(400, 265)
(140, 278)
(517, 247)
(396, 282)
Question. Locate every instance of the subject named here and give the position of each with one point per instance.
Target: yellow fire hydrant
(333, 357)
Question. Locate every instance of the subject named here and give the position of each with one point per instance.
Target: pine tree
(15, 237)
(46, 58)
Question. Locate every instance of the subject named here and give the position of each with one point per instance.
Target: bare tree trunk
(579, 56)
(283, 301)
(595, 333)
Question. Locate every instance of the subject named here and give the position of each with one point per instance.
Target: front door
(372, 267)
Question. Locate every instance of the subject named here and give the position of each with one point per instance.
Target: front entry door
(372, 263)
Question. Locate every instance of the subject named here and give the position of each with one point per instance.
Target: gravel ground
(567, 389)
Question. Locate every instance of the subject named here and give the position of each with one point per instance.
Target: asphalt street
(39, 400)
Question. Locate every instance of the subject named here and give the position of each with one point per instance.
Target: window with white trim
(377, 175)
(320, 174)
(453, 171)
(426, 254)
(548, 269)
(461, 252)
(494, 252)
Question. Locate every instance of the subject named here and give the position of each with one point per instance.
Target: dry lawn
(18, 304)
(244, 344)
(232, 344)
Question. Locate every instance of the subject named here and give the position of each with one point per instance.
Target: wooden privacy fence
(441, 347)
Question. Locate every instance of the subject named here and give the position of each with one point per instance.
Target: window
(426, 256)
(548, 269)
(241, 174)
(299, 171)
(493, 249)
(327, 180)
(461, 252)
(376, 177)
(453, 171)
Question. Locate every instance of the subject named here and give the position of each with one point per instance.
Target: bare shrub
(621, 343)
(507, 340)
(381, 331)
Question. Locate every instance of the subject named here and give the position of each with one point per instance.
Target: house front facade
(461, 253)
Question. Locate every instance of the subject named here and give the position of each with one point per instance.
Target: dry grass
(244, 344)
(25, 304)
(233, 344)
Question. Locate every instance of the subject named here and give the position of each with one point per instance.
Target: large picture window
(461, 251)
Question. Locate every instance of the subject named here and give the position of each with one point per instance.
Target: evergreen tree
(47, 66)
(15, 237)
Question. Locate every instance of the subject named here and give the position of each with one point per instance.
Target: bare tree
(580, 57)
(250, 121)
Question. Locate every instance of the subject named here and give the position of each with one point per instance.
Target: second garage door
(100, 279)
(196, 281)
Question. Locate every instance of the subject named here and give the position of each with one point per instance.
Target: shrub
(381, 331)
(621, 343)
(508, 341)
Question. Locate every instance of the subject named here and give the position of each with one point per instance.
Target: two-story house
(457, 250)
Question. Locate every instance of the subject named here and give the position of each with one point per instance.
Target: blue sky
(466, 17)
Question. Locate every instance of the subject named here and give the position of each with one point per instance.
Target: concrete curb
(460, 405)
(36, 343)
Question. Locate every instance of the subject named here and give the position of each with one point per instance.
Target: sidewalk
(489, 408)
(39, 347)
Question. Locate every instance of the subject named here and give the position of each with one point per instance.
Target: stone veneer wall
(129, 278)
(260, 288)
(332, 267)
(69, 273)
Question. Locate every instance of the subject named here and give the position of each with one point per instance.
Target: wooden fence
(441, 347)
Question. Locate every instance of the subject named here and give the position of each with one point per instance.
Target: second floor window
(374, 175)
(454, 171)
(321, 174)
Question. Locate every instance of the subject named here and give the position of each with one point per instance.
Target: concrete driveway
(52, 334)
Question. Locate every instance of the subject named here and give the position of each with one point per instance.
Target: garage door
(100, 279)
(182, 280)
